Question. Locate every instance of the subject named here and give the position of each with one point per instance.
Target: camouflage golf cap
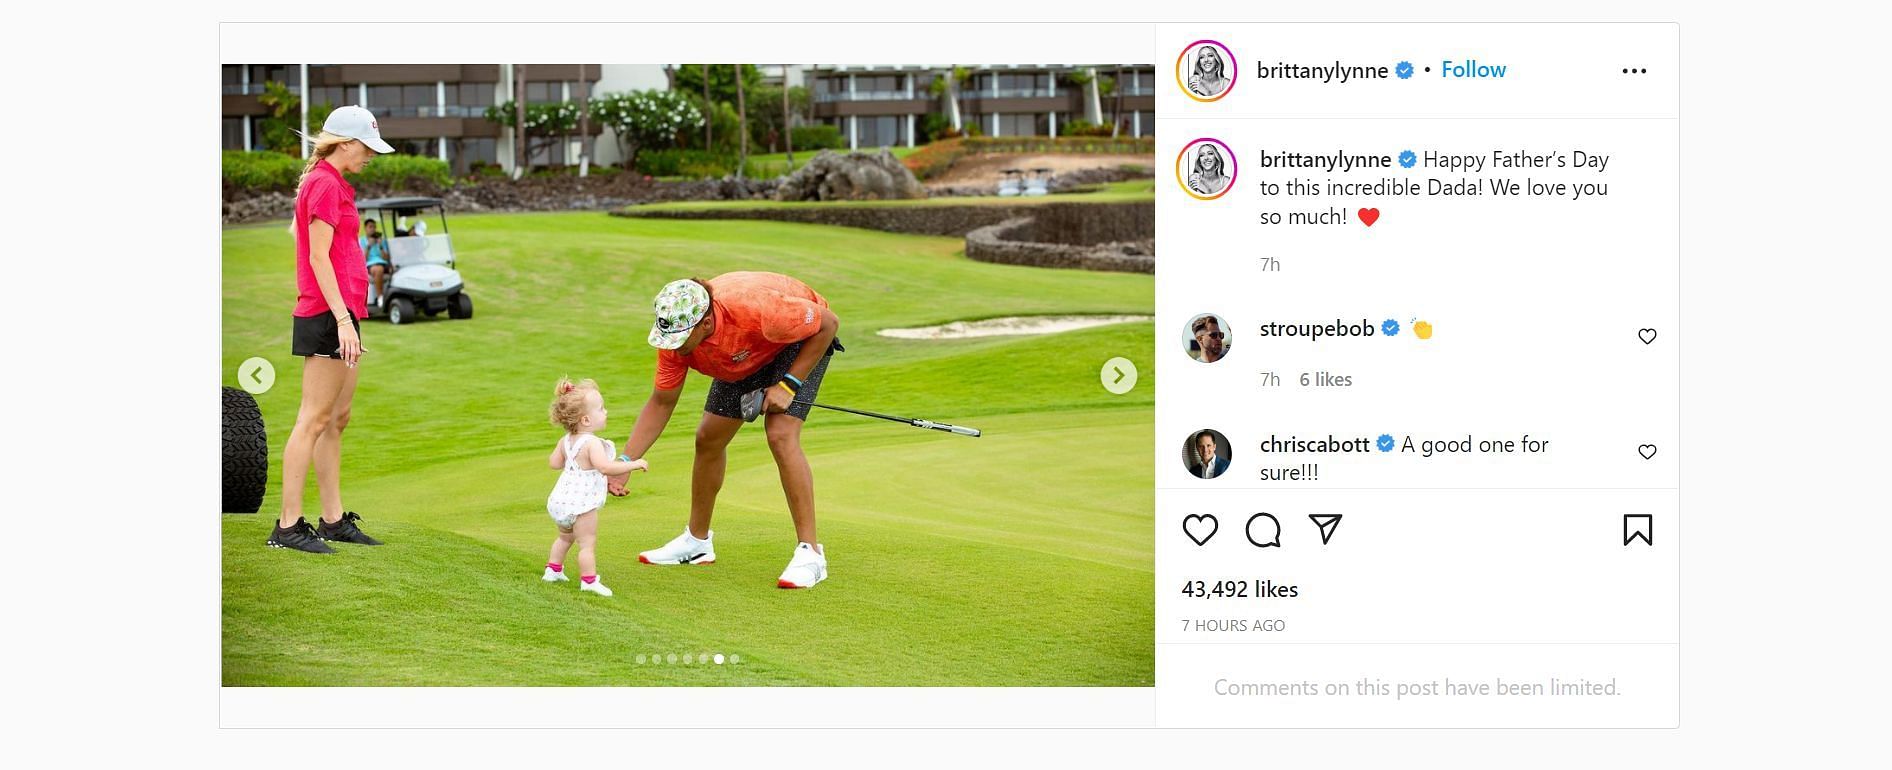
(680, 307)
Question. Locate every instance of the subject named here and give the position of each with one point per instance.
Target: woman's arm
(321, 237)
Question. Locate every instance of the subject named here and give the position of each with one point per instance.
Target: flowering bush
(646, 120)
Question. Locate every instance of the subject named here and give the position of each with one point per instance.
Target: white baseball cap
(357, 123)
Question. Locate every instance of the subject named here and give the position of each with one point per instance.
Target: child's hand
(640, 465)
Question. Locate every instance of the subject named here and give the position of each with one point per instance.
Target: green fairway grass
(1018, 558)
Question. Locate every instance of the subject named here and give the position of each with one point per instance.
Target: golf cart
(422, 278)
(1038, 182)
(1011, 183)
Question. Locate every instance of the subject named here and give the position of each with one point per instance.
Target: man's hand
(776, 400)
(615, 484)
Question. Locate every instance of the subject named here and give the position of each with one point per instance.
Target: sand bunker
(1015, 325)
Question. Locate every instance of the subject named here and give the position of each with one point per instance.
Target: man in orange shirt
(748, 331)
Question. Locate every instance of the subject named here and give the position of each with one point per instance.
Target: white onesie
(578, 489)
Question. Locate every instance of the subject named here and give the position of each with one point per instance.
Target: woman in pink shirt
(332, 296)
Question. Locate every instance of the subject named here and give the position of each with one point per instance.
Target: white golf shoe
(554, 576)
(596, 587)
(684, 549)
(808, 567)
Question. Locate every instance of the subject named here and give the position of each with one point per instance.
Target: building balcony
(867, 96)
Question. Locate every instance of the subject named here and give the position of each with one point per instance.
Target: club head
(752, 404)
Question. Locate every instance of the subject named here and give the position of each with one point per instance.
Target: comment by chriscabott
(1417, 434)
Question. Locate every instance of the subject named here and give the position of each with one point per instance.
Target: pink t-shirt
(328, 197)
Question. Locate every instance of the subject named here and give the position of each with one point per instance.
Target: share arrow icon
(1327, 522)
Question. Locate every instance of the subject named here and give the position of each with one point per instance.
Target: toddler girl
(586, 460)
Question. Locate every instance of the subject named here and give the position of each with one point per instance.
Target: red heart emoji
(1369, 216)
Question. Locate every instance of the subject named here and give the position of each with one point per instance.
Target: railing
(1014, 93)
(869, 96)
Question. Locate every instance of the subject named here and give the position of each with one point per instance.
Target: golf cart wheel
(460, 306)
(245, 453)
(401, 311)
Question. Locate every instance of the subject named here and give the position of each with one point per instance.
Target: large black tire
(460, 306)
(245, 453)
(401, 311)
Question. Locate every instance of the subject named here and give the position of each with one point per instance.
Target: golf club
(752, 407)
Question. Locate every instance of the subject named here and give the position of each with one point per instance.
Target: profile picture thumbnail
(1206, 454)
(1206, 338)
(1205, 168)
(1206, 70)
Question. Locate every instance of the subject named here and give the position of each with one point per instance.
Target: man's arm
(812, 349)
(651, 421)
(650, 425)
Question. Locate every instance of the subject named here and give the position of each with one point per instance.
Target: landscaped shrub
(1074, 144)
(405, 172)
(933, 159)
(817, 137)
(935, 127)
(261, 170)
(1082, 127)
(692, 163)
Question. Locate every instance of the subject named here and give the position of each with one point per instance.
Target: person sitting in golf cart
(375, 248)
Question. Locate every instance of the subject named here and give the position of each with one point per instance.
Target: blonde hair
(568, 402)
(322, 145)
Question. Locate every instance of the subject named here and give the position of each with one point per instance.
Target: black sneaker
(299, 536)
(345, 531)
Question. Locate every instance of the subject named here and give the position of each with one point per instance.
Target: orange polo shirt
(757, 314)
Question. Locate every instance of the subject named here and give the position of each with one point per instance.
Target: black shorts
(725, 398)
(316, 336)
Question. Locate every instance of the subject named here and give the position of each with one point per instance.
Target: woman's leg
(798, 480)
(586, 531)
(561, 546)
(328, 445)
(322, 380)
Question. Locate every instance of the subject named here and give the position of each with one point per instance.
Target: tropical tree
(742, 119)
(280, 127)
(720, 80)
(951, 84)
(647, 120)
(545, 124)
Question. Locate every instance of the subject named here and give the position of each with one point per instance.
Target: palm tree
(1116, 113)
(519, 124)
(584, 123)
(742, 125)
(788, 128)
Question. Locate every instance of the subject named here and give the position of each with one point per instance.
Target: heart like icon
(1646, 335)
(1646, 450)
(1369, 216)
(1200, 527)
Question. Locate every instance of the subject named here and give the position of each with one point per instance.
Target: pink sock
(555, 566)
(590, 578)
